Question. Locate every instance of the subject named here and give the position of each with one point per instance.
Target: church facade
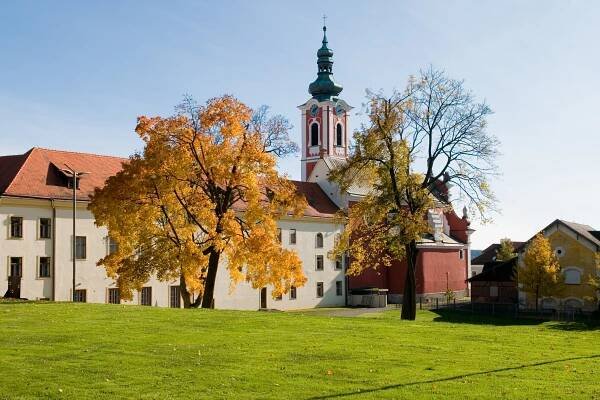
(37, 247)
(444, 258)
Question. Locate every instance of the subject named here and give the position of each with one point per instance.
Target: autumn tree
(506, 251)
(593, 282)
(540, 274)
(431, 134)
(204, 190)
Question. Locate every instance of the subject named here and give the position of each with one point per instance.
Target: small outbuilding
(497, 283)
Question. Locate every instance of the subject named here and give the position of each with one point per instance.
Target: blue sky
(75, 75)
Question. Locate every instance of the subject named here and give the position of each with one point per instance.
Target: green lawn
(52, 350)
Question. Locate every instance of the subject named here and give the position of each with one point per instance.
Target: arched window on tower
(338, 135)
(314, 134)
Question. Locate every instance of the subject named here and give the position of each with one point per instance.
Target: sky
(75, 75)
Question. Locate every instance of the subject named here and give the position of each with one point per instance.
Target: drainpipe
(53, 297)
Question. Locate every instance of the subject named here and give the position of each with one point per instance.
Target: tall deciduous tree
(434, 126)
(506, 251)
(593, 281)
(204, 189)
(540, 273)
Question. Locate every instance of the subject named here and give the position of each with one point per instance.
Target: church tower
(324, 122)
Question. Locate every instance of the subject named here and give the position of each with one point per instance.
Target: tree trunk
(537, 298)
(409, 298)
(185, 295)
(211, 276)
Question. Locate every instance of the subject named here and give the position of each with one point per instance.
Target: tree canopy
(435, 126)
(204, 189)
(506, 251)
(540, 273)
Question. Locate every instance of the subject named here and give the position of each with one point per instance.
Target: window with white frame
(319, 241)
(174, 297)
(338, 264)
(114, 296)
(44, 267)
(15, 267)
(45, 228)
(80, 296)
(320, 289)
(319, 263)
(292, 236)
(146, 296)
(113, 246)
(338, 135)
(16, 227)
(314, 134)
(80, 247)
(293, 293)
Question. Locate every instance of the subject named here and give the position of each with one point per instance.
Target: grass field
(85, 351)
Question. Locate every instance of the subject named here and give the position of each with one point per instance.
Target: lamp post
(75, 175)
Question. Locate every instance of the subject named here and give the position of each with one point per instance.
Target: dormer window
(314, 134)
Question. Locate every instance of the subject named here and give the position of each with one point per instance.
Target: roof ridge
(77, 152)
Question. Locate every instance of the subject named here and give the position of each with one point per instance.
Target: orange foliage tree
(204, 189)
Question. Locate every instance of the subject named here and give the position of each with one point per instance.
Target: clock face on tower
(313, 110)
(339, 110)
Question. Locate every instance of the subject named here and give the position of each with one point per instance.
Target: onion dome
(324, 88)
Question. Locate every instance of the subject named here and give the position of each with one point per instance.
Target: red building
(443, 260)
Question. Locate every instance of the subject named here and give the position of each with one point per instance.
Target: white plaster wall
(93, 278)
(30, 247)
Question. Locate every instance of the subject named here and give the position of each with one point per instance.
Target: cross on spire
(324, 22)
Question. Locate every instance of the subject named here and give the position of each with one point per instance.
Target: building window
(16, 267)
(319, 289)
(280, 297)
(319, 241)
(319, 266)
(572, 276)
(146, 296)
(44, 267)
(292, 236)
(493, 291)
(174, 297)
(559, 251)
(338, 135)
(461, 254)
(338, 264)
(113, 247)
(45, 228)
(114, 297)
(16, 227)
(80, 247)
(339, 288)
(279, 235)
(293, 293)
(314, 134)
(80, 296)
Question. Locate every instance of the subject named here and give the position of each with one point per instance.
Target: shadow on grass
(578, 326)
(467, 317)
(452, 378)
(13, 302)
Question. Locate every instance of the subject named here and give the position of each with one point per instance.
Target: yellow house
(576, 246)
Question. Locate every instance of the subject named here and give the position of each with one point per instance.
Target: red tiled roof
(36, 174)
(319, 204)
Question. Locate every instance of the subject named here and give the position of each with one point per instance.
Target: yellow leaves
(204, 185)
(541, 272)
